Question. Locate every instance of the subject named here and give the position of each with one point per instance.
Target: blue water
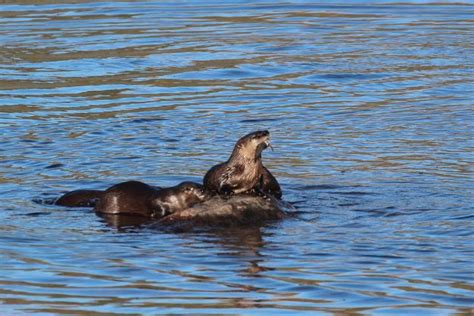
(370, 106)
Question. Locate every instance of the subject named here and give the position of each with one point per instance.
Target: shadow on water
(124, 223)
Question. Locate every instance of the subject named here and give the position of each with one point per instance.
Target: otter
(243, 171)
(138, 198)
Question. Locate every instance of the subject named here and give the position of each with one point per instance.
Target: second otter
(137, 198)
(244, 170)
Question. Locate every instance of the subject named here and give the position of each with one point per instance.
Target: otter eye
(188, 189)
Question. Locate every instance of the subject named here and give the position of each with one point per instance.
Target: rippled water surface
(370, 106)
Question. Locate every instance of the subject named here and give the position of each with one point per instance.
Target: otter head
(192, 193)
(251, 145)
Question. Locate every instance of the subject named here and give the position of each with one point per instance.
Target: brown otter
(244, 170)
(138, 198)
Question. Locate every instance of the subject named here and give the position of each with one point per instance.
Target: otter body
(244, 171)
(131, 197)
(137, 198)
(80, 198)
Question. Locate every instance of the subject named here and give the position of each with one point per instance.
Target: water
(370, 106)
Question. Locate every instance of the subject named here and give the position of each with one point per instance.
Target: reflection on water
(370, 109)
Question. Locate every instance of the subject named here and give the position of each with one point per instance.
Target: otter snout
(268, 144)
(263, 133)
(202, 194)
(194, 190)
(266, 138)
(263, 137)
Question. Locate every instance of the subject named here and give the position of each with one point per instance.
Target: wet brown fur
(244, 171)
(80, 198)
(137, 198)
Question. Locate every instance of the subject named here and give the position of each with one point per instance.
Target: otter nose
(263, 133)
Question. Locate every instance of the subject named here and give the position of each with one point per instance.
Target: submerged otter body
(244, 170)
(137, 198)
(236, 210)
(80, 198)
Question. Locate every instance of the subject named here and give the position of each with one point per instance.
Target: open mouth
(268, 144)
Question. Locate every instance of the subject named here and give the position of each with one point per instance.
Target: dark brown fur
(80, 198)
(137, 198)
(244, 171)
